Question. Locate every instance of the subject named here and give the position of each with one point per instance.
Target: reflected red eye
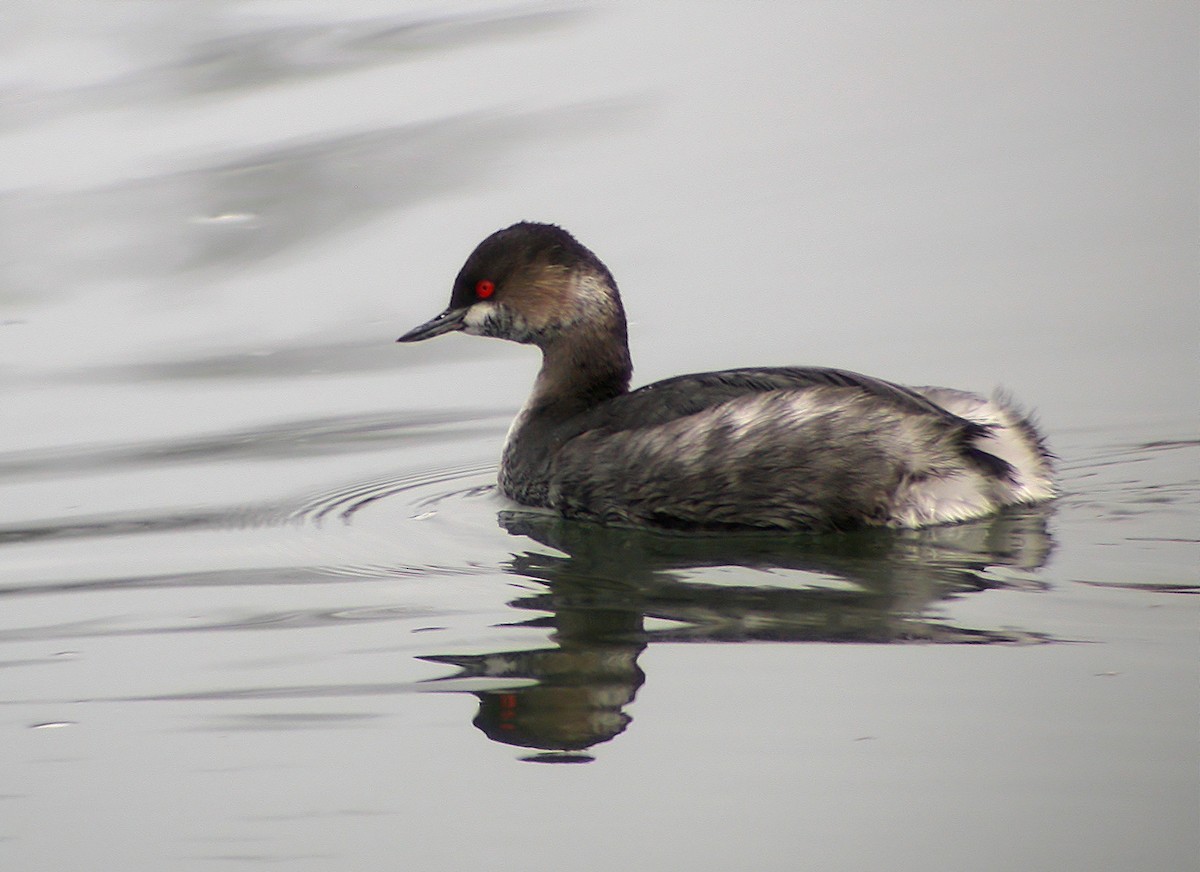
(484, 289)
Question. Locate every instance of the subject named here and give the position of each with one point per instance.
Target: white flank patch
(1007, 440)
(942, 501)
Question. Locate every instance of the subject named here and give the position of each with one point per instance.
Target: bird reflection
(612, 591)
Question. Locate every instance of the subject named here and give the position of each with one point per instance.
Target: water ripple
(264, 620)
(344, 503)
(406, 525)
(294, 438)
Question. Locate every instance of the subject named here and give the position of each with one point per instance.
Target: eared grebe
(766, 448)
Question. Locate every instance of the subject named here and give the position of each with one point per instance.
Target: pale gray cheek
(476, 321)
(487, 319)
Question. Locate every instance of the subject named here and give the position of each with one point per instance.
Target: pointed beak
(447, 322)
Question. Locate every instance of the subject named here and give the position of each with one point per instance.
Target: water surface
(262, 604)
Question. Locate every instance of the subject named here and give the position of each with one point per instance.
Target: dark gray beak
(447, 322)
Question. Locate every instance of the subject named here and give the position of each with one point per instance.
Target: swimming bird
(762, 448)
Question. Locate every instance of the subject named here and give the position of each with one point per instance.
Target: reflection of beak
(447, 322)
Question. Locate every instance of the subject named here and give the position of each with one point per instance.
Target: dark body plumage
(779, 448)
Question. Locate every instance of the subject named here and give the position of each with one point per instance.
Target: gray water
(260, 604)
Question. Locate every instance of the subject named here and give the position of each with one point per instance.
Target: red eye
(484, 289)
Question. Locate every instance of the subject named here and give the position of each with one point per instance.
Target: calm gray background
(235, 517)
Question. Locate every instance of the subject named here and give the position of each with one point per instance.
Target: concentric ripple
(407, 524)
(344, 503)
